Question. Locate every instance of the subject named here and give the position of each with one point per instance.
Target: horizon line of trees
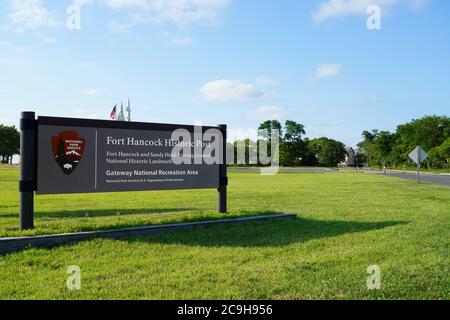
(377, 149)
(295, 149)
(383, 148)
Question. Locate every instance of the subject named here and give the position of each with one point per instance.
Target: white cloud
(115, 4)
(269, 113)
(178, 12)
(31, 14)
(329, 70)
(232, 90)
(340, 8)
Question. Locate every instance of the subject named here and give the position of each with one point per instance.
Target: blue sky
(229, 61)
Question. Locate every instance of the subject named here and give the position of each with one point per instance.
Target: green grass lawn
(345, 223)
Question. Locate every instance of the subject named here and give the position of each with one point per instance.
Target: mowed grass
(86, 212)
(345, 223)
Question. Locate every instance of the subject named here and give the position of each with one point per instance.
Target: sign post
(27, 183)
(223, 178)
(418, 155)
(65, 156)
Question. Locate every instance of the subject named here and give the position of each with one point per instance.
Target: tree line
(9, 143)
(377, 149)
(295, 149)
(383, 148)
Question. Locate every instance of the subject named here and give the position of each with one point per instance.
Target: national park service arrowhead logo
(68, 149)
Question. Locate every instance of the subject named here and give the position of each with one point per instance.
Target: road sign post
(418, 173)
(418, 155)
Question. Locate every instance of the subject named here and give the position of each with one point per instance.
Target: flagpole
(129, 110)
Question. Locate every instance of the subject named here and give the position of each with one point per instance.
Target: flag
(113, 113)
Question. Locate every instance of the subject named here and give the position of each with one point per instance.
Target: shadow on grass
(268, 233)
(100, 213)
(271, 233)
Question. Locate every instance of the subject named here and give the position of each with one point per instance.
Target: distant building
(350, 158)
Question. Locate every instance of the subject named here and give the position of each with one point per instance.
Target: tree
(360, 159)
(395, 157)
(245, 152)
(384, 143)
(292, 148)
(428, 132)
(292, 153)
(333, 152)
(439, 157)
(309, 155)
(3, 142)
(367, 146)
(267, 129)
(293, 131)
(315, 146)
(444, 151)
(328, 152)
(9, 143)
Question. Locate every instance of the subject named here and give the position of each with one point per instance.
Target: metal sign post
(222, 190)
(418, 172)
(418, 155)
(27, 183)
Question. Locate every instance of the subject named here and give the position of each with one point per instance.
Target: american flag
(113, 114)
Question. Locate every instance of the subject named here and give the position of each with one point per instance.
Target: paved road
(288, 170)
(441, 179)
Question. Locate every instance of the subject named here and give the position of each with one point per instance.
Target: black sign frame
(29, 154)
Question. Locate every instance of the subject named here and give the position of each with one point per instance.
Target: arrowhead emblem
(68, 149)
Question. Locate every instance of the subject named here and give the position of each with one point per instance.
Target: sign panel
(418, 155)
(83, 156)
